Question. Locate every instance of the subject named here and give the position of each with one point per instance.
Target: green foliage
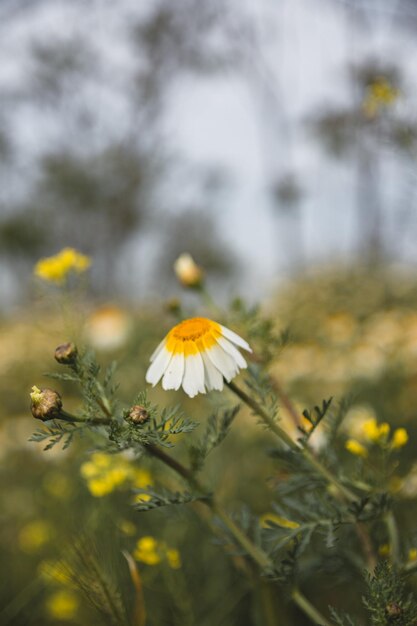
(163, 497)
(387, 599)
(314, 418)
(216, 430)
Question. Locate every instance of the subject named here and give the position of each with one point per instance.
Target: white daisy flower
(197, 354)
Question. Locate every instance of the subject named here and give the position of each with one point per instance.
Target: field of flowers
(265, 475)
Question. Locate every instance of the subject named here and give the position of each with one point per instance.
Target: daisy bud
(188, 272)
(46, 404)
(66, 353)
(138, 414)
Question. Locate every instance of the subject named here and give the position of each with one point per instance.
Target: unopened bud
(393, 610)
(188, 272)
(46, 404)
(138, 414)
(66, 353)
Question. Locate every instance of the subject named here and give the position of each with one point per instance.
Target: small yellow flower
(56, 268)
(384, 549)
(62, 605)
(399, 438)
(127, 527)
(106, 472)
(278, 520)
(375, 432)
(412, 554)
(356, 448)
(380, 93)
(34, 536)
(173, 558)
(188, 272)
(147, 551)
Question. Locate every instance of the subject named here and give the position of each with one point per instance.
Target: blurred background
(261, 137)
(274, 141)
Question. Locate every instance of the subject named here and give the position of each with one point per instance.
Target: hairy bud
(46, 404)
(138, 414)
(66, 353)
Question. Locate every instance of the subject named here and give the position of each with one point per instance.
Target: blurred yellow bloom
(62, 605)
(127, 527)
(150, 551)
(187, 271)
(356, 448)
(173, 557)
(375, 432)
(399, 438)
(278, 520)
(34, 536)
(141, 497)
(56, 268)
(384, 549)
(412, 554)
(380, 94)
(106, 472)
(146, 551)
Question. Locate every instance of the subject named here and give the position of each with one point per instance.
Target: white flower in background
(187, 271)
(108, 328)
(197, 354)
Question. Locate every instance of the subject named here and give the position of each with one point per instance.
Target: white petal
(234, 352)
(193, 381)
(157, 350)
(213, 378)
(174, 372)
(223, 362)
(158, 366)
(229, 334)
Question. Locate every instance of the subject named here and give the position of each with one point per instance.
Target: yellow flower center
(192, 336)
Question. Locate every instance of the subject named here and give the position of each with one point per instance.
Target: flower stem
(394, 539)
(307, 608)
(285, 438)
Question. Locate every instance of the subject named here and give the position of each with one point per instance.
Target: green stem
(285, 438)
(257, 554)
(267, 419)
(394, 539)
(307, 608)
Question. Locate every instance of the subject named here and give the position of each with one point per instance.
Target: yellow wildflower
(384, 549)
(127, 527)
(399, 438)
(173, 558)
(106, 472)
(146, 551)
(375, 432)
(62, 605)
(56, 268)
(150, 551)
(142, 478)
(412, 554)
(380, 93)
(278, 520)
(356, 448)
(141, 497)
(34, 536)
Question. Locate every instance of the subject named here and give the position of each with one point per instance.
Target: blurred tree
(98, 155)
